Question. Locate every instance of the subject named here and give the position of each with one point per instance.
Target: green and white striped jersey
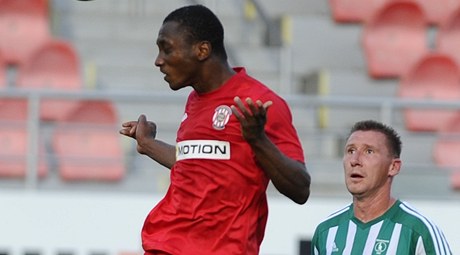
(399, 231)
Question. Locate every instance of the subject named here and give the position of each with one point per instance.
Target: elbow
(303, 196)
(304, 199)
(299, 195)
(298, 188)
(304, 193)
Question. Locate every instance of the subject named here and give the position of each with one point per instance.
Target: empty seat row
(24, 27)
(54, 66)
(85, 144)
(434, 76)
(14, 140)
(41, 61)
(446, 149)
(345, 11)
(394, 41)
(395, 37)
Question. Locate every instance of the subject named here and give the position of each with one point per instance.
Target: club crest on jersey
(221, 116)
(381, 246)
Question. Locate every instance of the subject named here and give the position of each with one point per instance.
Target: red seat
(14, 140)
(447, 147)
(437, 11)
(3, 67)
(448, 37)
(345, 11)
(455, 179)
(24, 27)
(394, 38)
(87, 144)
(54, 66)
(437, 77)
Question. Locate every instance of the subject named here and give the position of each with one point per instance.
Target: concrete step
(79, 22)
(295, 7)
(319, 43)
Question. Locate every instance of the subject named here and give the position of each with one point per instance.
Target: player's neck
(213, 76)
(370, 208)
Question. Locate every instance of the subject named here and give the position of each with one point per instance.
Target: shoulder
(248, 84)
(335, 218)
(411, 217)
(422, 226)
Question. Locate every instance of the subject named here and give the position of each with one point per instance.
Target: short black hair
(201, 24)
(393, 138)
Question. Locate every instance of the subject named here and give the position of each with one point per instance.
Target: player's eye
(351, 150)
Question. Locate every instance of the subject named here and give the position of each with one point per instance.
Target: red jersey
(216, 202)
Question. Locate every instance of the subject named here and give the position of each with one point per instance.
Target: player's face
(368, 164)
(176, 57)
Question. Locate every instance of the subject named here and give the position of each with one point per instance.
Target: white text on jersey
(202, 149)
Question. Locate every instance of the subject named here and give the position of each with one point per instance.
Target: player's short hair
(200, 24)
(393, 139)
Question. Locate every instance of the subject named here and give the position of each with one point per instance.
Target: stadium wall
(78, 223)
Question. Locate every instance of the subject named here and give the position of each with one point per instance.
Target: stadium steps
(118, 38)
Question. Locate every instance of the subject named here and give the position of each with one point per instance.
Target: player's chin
(175, 86)
(172, 85)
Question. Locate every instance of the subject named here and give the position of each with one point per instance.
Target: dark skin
(193, 64)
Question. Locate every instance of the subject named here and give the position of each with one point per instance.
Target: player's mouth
(356, 176)
(165, 76)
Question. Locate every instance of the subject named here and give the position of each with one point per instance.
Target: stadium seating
(353, 11)
(455, 179)
(55, 66)
(14, 140)
(345, 11)
(394, 38)
(435, 76)
(87, 144)
(448, 36)
(24, 27)
(447, 147)
(3, 78)
(437, 11)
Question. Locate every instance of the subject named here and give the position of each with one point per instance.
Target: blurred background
(73, 71)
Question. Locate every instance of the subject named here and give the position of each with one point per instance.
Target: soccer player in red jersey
(236, 135)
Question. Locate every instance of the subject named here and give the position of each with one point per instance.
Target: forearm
(289, 176)
(161, 152)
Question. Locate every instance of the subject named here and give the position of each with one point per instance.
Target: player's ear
(203, 50)
(395, 167)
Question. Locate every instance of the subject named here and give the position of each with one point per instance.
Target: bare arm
(144, 132)
(289, 176)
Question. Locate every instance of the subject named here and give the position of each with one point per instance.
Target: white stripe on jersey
(394, 241)
(434, 231)
(330, 239)
(350, 237)
(337, 213)
(371, 237)
(420, 249)
(444, 241)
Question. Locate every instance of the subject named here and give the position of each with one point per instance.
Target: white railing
(386, 106)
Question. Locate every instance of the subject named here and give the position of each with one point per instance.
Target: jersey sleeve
(281, 131)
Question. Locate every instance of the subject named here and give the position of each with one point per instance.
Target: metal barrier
(386, 106)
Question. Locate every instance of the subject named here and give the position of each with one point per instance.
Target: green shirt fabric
(399, 231)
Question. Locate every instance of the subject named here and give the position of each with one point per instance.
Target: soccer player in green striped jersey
(376, 222)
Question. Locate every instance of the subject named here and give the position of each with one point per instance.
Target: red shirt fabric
(216, 202)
